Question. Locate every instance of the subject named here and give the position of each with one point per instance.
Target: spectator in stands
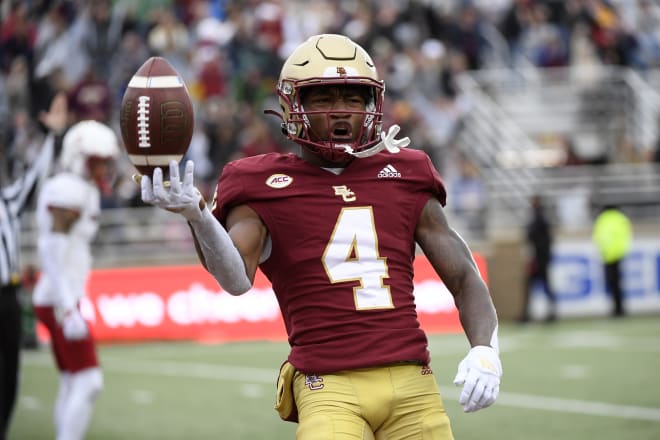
(171, 39)
(612, 235)
(91, 98)
(17, 35)
(647, 25)
(539, 237)
(102, 34)
(466, 34)
(130, 55)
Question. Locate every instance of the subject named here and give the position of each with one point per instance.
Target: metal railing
(510, 109)
(128, 237)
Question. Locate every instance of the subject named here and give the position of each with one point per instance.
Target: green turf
(574, 380)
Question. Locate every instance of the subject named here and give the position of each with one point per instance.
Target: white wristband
(223, 260)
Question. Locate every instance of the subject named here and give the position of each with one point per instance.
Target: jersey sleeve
(437, 187)
(228, 193)
(19, 191)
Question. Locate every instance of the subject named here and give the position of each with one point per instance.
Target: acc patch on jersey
(279, 181)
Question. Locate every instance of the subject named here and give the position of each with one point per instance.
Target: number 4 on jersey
(352, 255)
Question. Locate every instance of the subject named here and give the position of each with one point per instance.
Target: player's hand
(74, 326)
(180, 197)
(56, 117)
(479, 373)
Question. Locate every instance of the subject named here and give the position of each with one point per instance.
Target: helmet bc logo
(341, 71)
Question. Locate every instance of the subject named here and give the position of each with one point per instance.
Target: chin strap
(387, 142)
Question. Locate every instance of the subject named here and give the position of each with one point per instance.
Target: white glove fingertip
(146, 189)
(158, 177)
(404, 142)
(174, 170)
(189, 174)
(464, 398)
(467, 392)
(161, 193)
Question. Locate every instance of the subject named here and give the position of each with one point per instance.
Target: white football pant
(75, 402)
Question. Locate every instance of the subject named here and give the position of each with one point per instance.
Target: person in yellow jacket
(612, 234)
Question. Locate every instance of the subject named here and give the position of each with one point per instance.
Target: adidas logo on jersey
(388, 171)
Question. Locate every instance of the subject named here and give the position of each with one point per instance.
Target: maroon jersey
(341, 263)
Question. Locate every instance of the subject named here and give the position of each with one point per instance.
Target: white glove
(387, 142)
(391, 144)
(479, 373)
(74, 326)
(180, 197)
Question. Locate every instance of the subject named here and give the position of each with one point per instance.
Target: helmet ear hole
(283, 128)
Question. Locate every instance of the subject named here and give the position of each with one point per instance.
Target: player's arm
(218, 253)
(480, 371)
(248, 234)
(55, 121)
(452, 260)
(56, 245)
(54, 261)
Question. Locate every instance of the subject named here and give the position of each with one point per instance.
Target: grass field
(573, 380)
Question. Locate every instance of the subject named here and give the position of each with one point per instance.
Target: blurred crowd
(229, 53)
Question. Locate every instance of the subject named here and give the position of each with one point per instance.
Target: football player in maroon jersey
(335, 230)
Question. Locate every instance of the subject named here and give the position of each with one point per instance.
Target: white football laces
(387, 142)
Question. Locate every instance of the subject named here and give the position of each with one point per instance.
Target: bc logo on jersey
(346, 194)
(279, 181)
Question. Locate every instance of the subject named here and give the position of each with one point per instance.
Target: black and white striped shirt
(13, 200)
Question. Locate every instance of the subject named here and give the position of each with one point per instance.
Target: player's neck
(320, 162)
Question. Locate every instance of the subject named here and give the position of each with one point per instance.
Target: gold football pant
(385, 403)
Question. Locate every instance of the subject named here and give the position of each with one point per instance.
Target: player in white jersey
(67, 216)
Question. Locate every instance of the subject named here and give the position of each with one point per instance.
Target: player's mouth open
(341, 131)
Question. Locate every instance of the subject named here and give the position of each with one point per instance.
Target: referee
(14, 197)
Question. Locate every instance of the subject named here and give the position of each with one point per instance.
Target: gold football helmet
(329, 59)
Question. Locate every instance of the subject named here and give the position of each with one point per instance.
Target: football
(156, 116)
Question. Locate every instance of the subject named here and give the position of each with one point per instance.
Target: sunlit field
(577, 379)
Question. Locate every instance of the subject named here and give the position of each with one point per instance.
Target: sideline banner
(185, 303)
(577, 278)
